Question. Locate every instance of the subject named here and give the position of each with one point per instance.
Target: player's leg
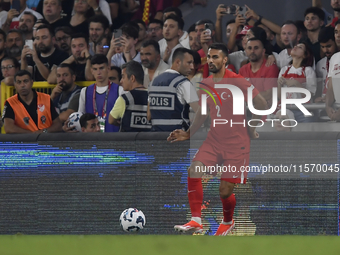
(238, 162)
(195, 196)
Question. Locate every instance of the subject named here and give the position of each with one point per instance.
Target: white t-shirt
(282, 59)
(162, 66)
(162, 47)
(99, 90)
(3, 16)
(119, 60)
(236, 58)
(186, 92)
(310, 78)
(184, 40)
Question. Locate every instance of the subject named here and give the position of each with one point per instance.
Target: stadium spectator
(67, 8)
(115, 13)
(183, 35)
(171, 94)
(115, 74)
(195, 77)
(155, 30)
(10, 19)
(299, 74)
(43, 56)
(65, 91)
(100, 97)
(236, 35)
(314, 20)
(173, 25)
(262, 77)
(9, 67)
(128, 43)
(337, 34)
(80, 19)
(152, 63)
(26, 24)
(130, 109)
(289, 37)
(14, 43)
(2, 48)
(194, 44)
(63, 39)
(103, 45)
(329, 48)
(142, 36)
(80, 60)
(98, 27)
(37, 24)
(52, 11)
(29, 111)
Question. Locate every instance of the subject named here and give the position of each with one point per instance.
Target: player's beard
(214, 69)
(148, 64)
(65, 86)
(23, 28)
(253, 57)
(44, 49)
(14, 51)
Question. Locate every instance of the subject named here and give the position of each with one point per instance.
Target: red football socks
(228, 208)
(195, 195)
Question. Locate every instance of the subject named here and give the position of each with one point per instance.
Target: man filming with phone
(10, 19)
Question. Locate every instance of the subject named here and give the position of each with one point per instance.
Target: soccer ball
(132, 219)
(74, 120)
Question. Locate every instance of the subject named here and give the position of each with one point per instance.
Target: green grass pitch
(165, 244)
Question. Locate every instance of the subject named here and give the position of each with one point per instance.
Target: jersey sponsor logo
(41, 107)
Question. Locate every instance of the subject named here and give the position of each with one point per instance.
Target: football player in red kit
(226, 144)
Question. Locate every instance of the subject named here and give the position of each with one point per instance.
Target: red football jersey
(227, 131)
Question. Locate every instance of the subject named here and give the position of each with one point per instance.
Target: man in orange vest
(29, 111)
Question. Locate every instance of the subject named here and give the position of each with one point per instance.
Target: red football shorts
(232, 165)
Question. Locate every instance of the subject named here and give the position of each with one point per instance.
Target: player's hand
(178, 135)
(11, 14)
(281, 81)
(205, 37)
(252, 133)
(68, 129)
(85, 53)
(330, 111)
(270, 60)
(240, 21)
(56, 91)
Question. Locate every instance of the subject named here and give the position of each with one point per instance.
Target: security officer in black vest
(171, 94)
(130, 109)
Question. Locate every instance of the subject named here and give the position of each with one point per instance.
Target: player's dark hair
(14, 60)
(100, 19)
(3, 33)
(22, 73)
(197, 58)
(290, 22)
(119, 71)
(316, 11)
(139, 21)
(220, 46)
(179, 54)
(34, 17)
(135, 69)
(191, 28)
(337, 23)
(16, 31)
(156, 21)
(64, 65)
(131, 29)
(65, 29)
(203, 21)
(152, 43)
(232, 21)
(99, 59)
(85, 118)
(80, 35)
(326, 34)
(176, 10)
(179, 20)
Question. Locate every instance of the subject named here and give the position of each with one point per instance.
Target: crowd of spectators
(123, 46)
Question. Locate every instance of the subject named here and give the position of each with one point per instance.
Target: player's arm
(11, 128)
(259, 103)
(117, 112)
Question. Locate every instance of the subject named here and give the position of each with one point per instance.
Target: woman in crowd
(82, 12)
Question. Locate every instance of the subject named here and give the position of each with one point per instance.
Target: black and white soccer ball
(132, 219)
(74, 120)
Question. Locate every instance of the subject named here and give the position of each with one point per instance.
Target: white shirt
(99, 90)
(184, 40)
(118, 59)
(282, 59)
(160, 69)
(236, 58)
(334, 66)
(3, 16)
(310, 78)
(186, 92)
(321, 72)
(162, 47)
